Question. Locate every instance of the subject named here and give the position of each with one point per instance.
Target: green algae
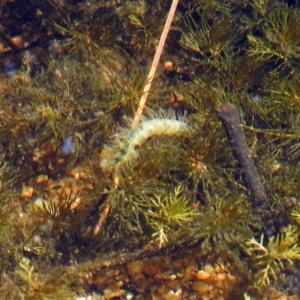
(181, 193)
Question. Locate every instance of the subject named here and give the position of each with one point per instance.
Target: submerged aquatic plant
(271, 259)
(281, 36)
(61, 211)
(179, 192)
(34, 286)
(208, 41)
(148, 24)
(225, 222)
(168, 215)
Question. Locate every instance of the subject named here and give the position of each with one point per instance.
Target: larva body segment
(124, 150)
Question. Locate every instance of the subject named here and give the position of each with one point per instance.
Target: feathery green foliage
(269, 260)
(281, 38)
(180, 192)
(168, 215)
(225, 221)
(41, 288)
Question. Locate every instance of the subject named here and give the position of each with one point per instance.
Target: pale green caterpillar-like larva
(123, 152)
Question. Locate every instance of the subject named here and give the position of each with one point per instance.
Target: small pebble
(68, 146)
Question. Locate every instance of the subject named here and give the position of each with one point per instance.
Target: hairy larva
(123, 152)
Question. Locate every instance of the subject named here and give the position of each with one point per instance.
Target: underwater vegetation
(172, 188)
(270, 259)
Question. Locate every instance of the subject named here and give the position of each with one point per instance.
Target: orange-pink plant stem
(155, 62)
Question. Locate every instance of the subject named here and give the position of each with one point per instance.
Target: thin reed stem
(155, 62)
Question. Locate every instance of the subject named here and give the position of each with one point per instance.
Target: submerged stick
(230, 117)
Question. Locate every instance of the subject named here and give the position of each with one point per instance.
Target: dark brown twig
(230, 117)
